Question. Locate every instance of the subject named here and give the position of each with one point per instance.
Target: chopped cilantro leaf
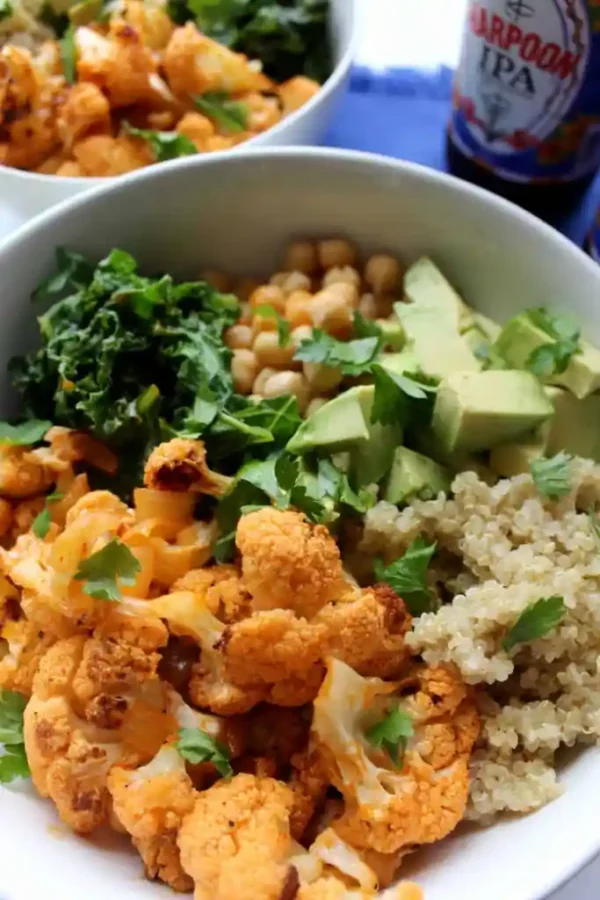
(13, 763)
(41, 523)
(350, 357)
(6, 10)
(102, 570)
(392, 734)
(230, 115)
(165, 145)
(551, 359)
(196, 747)
(552, 477)
(24, 435)
(407, 576)
(537, 620)
(393, 393)
(68, 55)
(363, 328)
(283, 326)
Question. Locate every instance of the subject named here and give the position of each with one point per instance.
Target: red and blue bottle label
(526, 101)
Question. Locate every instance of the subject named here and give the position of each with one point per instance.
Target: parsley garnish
(363, 328)
(101, 570)
(198, 747)
(41, 523)
(553, 359)
(68, 55)
(350, 357)
(552, 477)
(535, 621)
(6, 10)
(392, 734)
(393, 394)
(230, 115)
(13, 764)
(283, 326)
(293, 492)
(165, 145)
(24, 435)
(407, 576)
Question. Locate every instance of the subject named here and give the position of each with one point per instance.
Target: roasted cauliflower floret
(118, 64)
(224, 592)
(195, 64)
(73, 737)
(103, 156)
(22, 648)
(85, 109)
(394, 799)
(180, 465)
(368, 631)
(151, 803)
(149, 19)
(288, 563)
(236, 841)
(187, 615)
(22, 474)
(27, 110)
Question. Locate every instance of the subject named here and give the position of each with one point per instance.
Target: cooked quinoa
(503, 547)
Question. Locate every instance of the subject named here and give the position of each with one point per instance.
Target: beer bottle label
(526, 100)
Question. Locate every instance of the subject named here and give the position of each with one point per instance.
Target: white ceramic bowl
(236, 213)
(25, 194)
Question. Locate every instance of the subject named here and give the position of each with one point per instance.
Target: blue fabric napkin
(403, 113)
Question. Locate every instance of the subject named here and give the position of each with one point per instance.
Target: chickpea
(321, 379)
(315, 404)
(263, 323)
(367, 306)
(302, 257)
(245, 287)
(268, 295)
(218, 280)
(297, 308)
(383, 273)
(244, 369)
(342, 275)
(238, 337)
(296, 281)
(245, 314)
(279, 279)
(348, 292)
(335, 252)
(286, 382)
(301, 333)
(331, 312)
(260, 381)
(269, 353)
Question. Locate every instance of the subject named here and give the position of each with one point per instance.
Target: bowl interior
(236, 214)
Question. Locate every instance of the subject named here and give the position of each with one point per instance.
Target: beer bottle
(525, 117)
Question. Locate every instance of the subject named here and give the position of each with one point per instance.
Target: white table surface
(410, 38)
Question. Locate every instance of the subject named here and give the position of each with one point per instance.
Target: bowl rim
(328, 87)
(363, 160)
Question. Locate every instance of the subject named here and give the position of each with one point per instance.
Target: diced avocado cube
(392, 333)
(483, 348)
(575, 426)
(434, 342)
(490, 328)
(414, 475)
(371, 461)
(424, 285)
(520, 337)
(515, 457)
(477, 410)
(336, 426)
(399, 363)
